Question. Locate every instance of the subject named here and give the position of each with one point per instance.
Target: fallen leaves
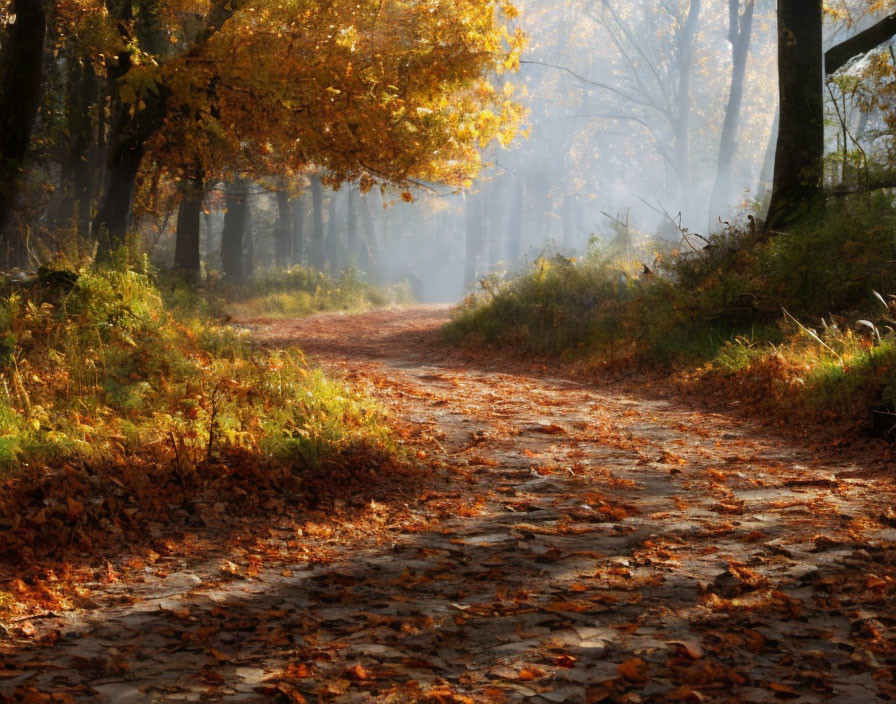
(634, 670)
(551, 566)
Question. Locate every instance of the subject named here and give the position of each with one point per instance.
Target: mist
(656, 118)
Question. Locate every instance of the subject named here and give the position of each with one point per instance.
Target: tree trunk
(333, 248)
(236, 197)
(316, 255)
(132, 128)
(740, 30)
(21, 75)
(352, 248)
(799, 152)
(283, 235)
(298, 231)
(685, 59)
(82, 173)
(186, 251)
(248, 242)
(369, 247)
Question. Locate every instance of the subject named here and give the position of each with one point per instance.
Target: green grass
(111, 368)
(301, 291)
(718, 308)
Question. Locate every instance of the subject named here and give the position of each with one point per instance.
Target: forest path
(585, 545)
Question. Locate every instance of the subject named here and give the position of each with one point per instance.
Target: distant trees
(740, 31)
(147, 104)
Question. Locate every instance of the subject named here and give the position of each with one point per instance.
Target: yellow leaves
(127, 94)
(348, 38)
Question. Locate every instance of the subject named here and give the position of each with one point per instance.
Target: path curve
(585, 545)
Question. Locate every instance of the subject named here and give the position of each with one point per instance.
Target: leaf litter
(574, 543)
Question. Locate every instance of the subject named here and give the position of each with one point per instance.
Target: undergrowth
(119, 409)
(728, 306)
(302, 291)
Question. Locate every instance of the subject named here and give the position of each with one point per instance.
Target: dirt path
(586, 546)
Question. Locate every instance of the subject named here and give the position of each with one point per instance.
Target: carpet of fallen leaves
(565, 542)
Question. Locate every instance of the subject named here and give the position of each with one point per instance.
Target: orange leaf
(291, 693)
(565, 661)
(530, 673)
(357, 672)
(690, 647)
(634, 670)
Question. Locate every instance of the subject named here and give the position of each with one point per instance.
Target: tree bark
(236, 197)
(283, 239)
(298, 231)
(352, 247)
(369, 248)
(21, 76)
(316, 255)
(132, 128)
(799, 152)
(128, 136)
(685, 50)
(838, 56)
(333, 248)
(81, 131)
(740, 30)
(186, 251)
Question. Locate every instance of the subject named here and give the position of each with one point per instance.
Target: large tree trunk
(799, 152)
(21, 74)
(186, 251)
(128, 135)
(740, 30)
(236, 197)
(132, 128)
(316, 255)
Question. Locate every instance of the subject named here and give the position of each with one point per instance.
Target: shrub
(108, 368)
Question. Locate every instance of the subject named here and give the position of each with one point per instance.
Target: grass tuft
(728, 307)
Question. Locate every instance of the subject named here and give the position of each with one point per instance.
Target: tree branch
(838, 56)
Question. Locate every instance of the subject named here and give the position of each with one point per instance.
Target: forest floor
(566, 542)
